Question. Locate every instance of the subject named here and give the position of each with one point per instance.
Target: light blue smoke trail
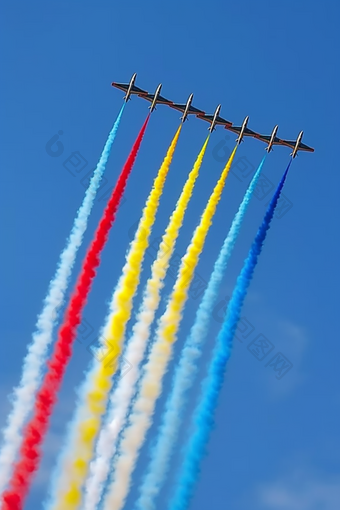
(34, 362)
(204, 413)
(186, 371)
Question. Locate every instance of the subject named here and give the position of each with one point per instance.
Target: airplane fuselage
(185, 114)
(131, 84)
(272, 138)
(154, 102)
(244, 125)
(216, 114)
(296, 148)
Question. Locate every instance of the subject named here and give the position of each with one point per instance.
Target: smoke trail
(186, 369)
(23, 395)
(203, 417)
(93, 402)
(124, 392)
(160, 354)
(35, 431)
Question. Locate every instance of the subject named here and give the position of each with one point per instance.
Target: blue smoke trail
(34, 363)
(203, 417)
(186, 370)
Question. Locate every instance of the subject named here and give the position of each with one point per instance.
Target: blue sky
(276, 442)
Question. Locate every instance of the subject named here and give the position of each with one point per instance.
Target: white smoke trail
(187, 367)
(24, 394)
(72, 467)
(203, 418)
(122, 395)
(150, 385)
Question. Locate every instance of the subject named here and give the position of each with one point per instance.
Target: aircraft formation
(214, 119)
(113, 414)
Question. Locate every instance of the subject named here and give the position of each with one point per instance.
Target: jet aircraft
(214, 119)
(129, 88)
(187, 108)
(297, 145)
(242, 131)
(156, 98)
(272, 139)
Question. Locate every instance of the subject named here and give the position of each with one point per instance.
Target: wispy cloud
(301, 491)
(292, 339)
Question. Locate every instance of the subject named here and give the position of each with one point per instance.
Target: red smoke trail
(30, 452)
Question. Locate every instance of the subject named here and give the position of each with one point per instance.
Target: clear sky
(276, 441)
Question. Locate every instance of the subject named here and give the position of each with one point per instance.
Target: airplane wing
(210, 118)
(192, 109)
(291, 144)
(266, 139)
(206, 117)
(247, 131)
(304, 147)
(235, 129)
(160, 99)
(220, 120)
(125, 87)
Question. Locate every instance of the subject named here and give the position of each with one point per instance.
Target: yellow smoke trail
(135, 349)
(95, 399)
(166, 248)
(151, 383)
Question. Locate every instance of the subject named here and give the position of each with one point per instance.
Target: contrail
(151, 382)
(92, 405)
(35, 431)
(24, 394)
(203, 416)
(186, 370)
(135, 350)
